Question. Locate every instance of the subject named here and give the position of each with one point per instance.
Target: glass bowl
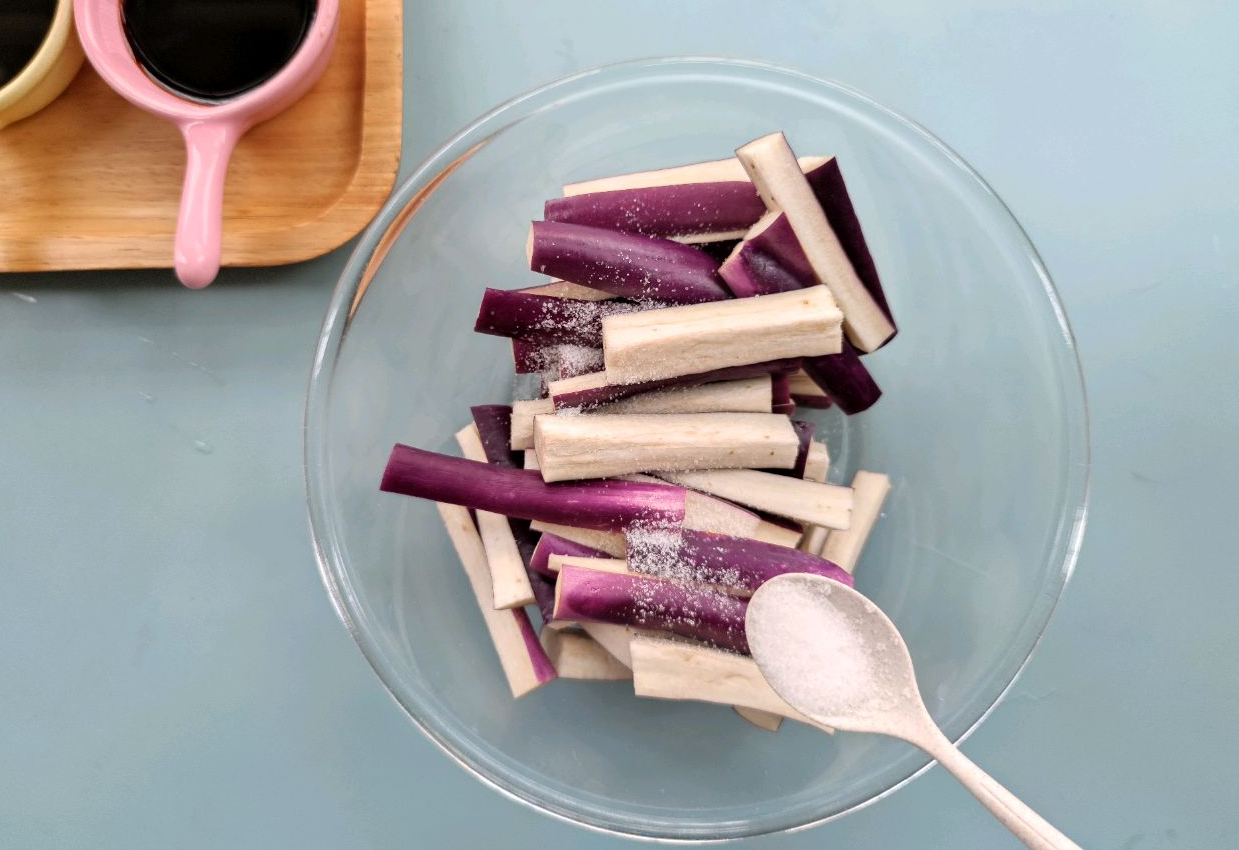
(982, 428)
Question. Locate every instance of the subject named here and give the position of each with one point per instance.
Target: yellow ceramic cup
(49, 71)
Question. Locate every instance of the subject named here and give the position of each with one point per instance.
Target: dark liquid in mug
(23, 27)
(213, 50)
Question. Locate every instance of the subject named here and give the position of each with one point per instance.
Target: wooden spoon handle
(1035, 831)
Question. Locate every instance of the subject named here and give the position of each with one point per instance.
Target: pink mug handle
(199, 227)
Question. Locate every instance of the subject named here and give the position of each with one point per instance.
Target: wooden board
(93, 182)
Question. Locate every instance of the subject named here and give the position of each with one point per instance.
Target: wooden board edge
(374, 177)
(372, 181)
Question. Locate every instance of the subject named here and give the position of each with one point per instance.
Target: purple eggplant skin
(804, 433)
(543, 670)
(721, 207)
(832, 193)
(553, 544)
(773, 260)
(682, 209)
(494, 424)
(544, 319)
(640, 268)
(527, 357)
(780, 389)
(543, 586)
(605, 505)
(629, 600)
(844, 379)
(730, 561)
(767, 262)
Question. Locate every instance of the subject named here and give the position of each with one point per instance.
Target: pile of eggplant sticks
(659, 478)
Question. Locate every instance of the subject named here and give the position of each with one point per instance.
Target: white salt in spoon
(832, 655)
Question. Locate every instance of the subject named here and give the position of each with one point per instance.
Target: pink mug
(210, 130)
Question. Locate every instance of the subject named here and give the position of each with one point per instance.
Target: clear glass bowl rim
(368, 254)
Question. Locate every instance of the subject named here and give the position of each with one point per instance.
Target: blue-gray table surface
(172, 675)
